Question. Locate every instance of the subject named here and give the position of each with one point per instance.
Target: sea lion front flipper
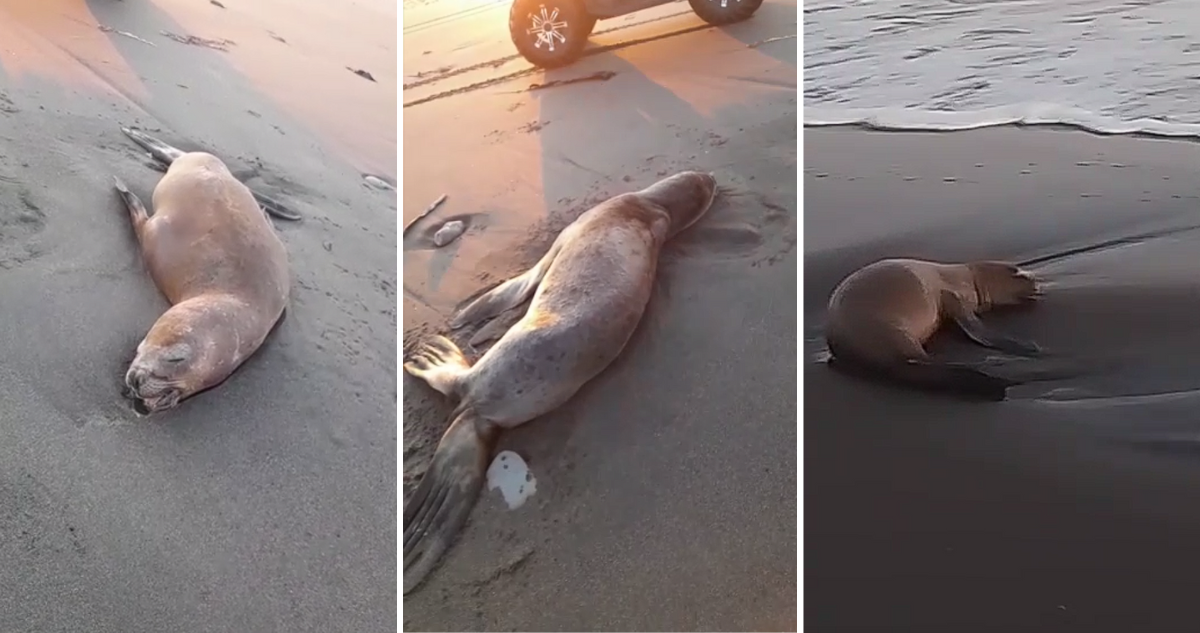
(447, 492)
(440, 363)
(138, 214)
(159, 151)
(981, 334)
(970, 324)
(274, 208)
(507, 295)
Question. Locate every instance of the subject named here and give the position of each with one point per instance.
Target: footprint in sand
(747, 227)
(21, 219)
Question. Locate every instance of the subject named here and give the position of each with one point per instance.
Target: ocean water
(1102, 65)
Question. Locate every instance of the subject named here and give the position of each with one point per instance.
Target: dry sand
(1071, 506)
(266, 504)
(666, 489)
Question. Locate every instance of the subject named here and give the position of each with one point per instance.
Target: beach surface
(266, 504)
(665, 490)
(1069, 507)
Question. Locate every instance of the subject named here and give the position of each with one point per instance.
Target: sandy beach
(267, 503)
(1070, 507)
(666, 488)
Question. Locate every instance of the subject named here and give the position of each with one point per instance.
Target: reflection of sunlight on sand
(61, 40)
(500, 178)
(306, 73)
(705, 88)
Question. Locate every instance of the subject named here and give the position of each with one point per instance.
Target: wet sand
(267, 503)
(1072, 505)
(666, 488)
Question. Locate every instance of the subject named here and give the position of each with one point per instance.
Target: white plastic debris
(511, 475)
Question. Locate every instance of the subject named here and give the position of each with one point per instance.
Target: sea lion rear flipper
(275, 208)
(137, 211)
(159, 150)
(447, 492)
(507, 295)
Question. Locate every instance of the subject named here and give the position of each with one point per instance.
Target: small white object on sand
(449, 232)
(511, 475)
(378, 182)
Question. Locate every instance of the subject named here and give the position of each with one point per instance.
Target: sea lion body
(588, 295)
(216, 258)
(881, 316)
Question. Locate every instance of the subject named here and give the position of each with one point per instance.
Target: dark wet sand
(267, 504)
(666, 488)
(1072, 506)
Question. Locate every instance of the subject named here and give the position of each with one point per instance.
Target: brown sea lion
(589, 292)
(217, 259)
(881, 316)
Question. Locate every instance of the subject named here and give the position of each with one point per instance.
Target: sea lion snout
(153, 393)
(134, 379)
(156, 391)
(1003, 283)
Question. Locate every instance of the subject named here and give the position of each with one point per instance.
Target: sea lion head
(172, 362)
(1003, 284)
(686, 197)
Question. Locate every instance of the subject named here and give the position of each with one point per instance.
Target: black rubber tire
(712, 12)
(574, 35)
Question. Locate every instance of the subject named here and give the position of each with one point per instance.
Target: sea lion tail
(440, 363)
(447, 492)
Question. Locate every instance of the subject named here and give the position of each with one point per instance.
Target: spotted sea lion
(881, 316)
(216, 258)
(588, 294)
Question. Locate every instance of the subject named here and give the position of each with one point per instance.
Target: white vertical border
(799, 327)
(800, 355)
(399, 309)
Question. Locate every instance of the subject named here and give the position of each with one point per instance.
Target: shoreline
(1018, 115)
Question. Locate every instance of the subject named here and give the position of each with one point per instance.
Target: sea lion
(881, 316)
(589, 292)
(164, 154)
(217, 259)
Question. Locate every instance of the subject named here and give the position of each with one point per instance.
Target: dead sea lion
(165, 155)
(589, 292)
(217, 259)
(881, 316)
